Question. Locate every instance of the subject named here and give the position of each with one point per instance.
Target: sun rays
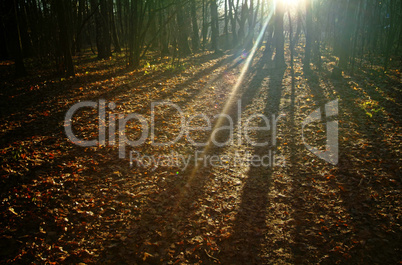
(230, 100)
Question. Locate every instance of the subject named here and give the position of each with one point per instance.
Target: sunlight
(225, 109)
(229, 102)
(291, 3)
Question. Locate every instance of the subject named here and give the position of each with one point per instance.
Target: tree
(115, 37)
(12, 35)
(242, 22)
(195, 39)
(232, 16)
(102, 21)
(182, 33)
(347, 30)
(214, 26)
(134, 42)
(309, 35)
(65, 42)
(355, 32)
(278, 35)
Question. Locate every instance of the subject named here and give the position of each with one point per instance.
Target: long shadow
(54, 128)
(293, 169)
(175, 205)
(198, 76)
(367, 127)
(255, 76)
(305, 208)
(354, 192)
(233, 61)
(20, 96)
(16, 101)
(244, 246)
(53, 119)
(51, 125)
(364, 192)
(393, 108)
(172, 211)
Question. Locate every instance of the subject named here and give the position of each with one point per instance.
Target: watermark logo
(180, 161)
(113, 125)
(331, 149)
(147, 127)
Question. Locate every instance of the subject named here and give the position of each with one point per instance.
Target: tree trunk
(19, 62)
(346, 34)
(214, 26)
(65, 42)
(204, 24)
(182, 40)
(356, 36)
(3, 41)
(103, 39)
(26, 42)
(250, 35)
(233, 23)
(164, 43)
(195, 40)
(134, 32)
(309, 35)
(119, 26)
(104, 9)
(226, 28)
(116, 41)
(78, 38)
(391, 33)
(278, 35)
(242, 23)
(298, 29)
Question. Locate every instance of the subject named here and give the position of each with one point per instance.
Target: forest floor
(62, 203)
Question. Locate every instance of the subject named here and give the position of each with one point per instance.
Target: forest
(200, 131)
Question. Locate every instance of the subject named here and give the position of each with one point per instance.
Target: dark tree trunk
(33, 18)
(242, 23)
(164, 43)
(4, 51)
(214, 26)
(19, 63)
(317, 40)
(182, 40)
(233, 22)
(298, 29)
(309, 35)
(133, 38)
(270, 32)
(204, 23)
(65, 42)
(346, 34)
(120, 27)
(226, 28)
(116, 41)
(250, 35)
(103, 39)
(356, 37)
(391, 33)
(105, 11)
(291, 47)
(26, 42)
(278, 35)
(3, 44)
(195, 40)
(80, 15)
(12, 29)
